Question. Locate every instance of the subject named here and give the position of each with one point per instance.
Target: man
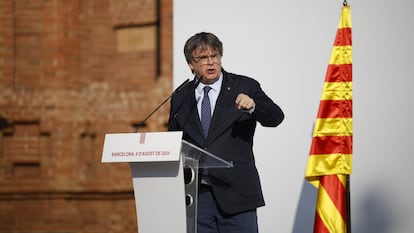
(222, 119)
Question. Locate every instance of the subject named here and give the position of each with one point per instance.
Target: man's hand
(244, 102)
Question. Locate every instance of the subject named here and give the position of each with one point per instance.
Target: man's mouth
(211, 71)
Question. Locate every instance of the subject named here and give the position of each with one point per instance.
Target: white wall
(286, 45)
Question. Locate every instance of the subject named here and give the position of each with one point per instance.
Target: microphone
(196, 81)
(174, 114)
(142, 123)
(180, 87)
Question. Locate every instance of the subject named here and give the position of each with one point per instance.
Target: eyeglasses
(204, 59)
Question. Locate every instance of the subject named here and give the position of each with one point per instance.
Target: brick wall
(71, 71)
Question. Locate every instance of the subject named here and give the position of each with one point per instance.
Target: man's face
(206, 63)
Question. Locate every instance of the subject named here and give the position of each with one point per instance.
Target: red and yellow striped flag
(330, 159)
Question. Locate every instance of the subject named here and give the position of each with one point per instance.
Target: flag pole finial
(345, 3)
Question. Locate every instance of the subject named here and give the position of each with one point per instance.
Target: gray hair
(203, 40)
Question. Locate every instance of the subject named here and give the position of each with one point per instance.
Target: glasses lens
(204, 59)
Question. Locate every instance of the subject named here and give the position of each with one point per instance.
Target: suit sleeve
(266, 112)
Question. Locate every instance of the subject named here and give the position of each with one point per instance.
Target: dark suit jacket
(230, 137)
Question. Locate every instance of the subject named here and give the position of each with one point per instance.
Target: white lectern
(165, 177)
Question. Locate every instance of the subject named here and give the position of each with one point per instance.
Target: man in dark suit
(222, 119)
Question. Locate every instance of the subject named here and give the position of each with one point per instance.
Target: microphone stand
(142, 123)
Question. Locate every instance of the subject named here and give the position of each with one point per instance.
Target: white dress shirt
(212, 94)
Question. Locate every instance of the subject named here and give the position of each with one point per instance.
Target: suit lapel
(190, 118)
(225, 111)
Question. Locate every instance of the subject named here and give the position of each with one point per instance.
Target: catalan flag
(330, 158)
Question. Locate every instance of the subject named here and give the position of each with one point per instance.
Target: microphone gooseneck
(142, 123)
(195, 81)
(180, 87)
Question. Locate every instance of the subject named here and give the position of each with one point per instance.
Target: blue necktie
(206, 111)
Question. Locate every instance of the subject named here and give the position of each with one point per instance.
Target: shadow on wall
(305, 213)
(375, 212)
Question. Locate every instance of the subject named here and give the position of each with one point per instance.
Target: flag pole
(348, 204)
(348, 183)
